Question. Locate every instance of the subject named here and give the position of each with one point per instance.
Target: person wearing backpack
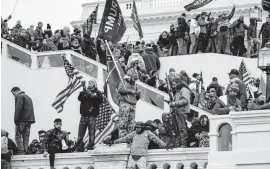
(8, 148)
(23, 118)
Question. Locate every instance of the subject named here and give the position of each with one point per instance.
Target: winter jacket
(24, 110)
(217, 87)
(164, 43)
(182, 28)
(151, 60)
(182, 101)
(140, 142)
(264, 31)
(90, 104)
(54, 138)
(239, 28)
(101, 53)
(12, 148)
(223, 23)
(194, 85)
(211, 29)
(89, 48)
(165, 130)
(252, 31)
(38, 33)
(226, 109)
(202, 23)
(126, 93)
(242, 95)
(65, 44)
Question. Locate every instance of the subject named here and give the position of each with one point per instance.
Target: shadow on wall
(225, 138)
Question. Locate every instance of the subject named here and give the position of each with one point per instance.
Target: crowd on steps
(181, 126)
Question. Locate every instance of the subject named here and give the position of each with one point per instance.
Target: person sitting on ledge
(54, 141)
(139, 139)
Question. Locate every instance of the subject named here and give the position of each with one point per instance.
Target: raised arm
(231, 14)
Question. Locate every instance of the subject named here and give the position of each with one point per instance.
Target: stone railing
(112, 157)
(62, 161)
(249, 142)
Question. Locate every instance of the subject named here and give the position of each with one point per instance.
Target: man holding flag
(90, 99)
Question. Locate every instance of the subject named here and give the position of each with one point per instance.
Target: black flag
(112, 26)
(197, 4)
(136, 22)
(266, 5)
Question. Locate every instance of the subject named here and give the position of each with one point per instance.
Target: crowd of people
(202, 34)
(181, 127)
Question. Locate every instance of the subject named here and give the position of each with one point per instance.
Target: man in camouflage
(128, 99)
(181, 107)
(139, 139)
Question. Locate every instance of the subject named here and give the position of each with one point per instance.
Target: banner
(266, 5)
(112, 26)
(197, 4)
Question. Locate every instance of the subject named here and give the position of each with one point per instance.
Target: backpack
(4, 145)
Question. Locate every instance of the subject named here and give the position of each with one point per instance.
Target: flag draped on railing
(136, 21)
(87, 27)
(74, 84)
(112, 26)
(197, 4)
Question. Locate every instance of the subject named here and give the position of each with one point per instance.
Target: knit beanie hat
(92, 84)
(234, 87)
(171, 70)
(132, 74)
(3, 132)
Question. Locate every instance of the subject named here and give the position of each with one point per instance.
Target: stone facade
(156, 16)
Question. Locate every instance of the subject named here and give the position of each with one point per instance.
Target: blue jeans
(22, 133)
(90, 123)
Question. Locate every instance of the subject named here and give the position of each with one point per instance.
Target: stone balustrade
(112, 157)
(62, 161)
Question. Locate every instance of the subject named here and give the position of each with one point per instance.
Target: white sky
(58, 13)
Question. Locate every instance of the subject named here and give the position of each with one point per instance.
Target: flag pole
(118, 71)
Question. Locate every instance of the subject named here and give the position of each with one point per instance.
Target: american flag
(104, 122)
(91, 20)
(136, 22)
(74, 84)
(246, 76)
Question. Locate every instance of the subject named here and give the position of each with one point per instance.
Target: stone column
(110, 157)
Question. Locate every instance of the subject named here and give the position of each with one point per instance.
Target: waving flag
(246, 76)
(74, 84)
(136, 22)
(197, 4)
(112, 26)
(90, 21)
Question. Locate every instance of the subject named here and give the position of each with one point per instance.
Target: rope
(14, 8)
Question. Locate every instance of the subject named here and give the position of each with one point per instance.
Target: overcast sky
(58, 13)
